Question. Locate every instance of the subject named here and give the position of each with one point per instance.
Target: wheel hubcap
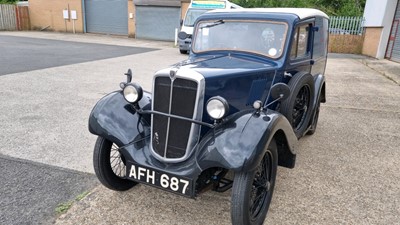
(117, 161)
(267, 186)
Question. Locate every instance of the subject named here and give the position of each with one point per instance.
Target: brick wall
(49, 14)
(346, 43)
(371, 42)
(131, 21)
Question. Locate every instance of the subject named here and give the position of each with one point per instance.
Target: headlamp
(132, 92)
(217, 107)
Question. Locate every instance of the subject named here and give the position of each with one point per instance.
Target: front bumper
(160, 174)
(161, 179)
(184, 45)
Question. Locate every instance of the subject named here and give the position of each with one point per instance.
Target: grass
(81, 196)
(64, 207)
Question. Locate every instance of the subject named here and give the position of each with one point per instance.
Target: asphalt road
(30, 192)
(20, 54)
(346, 173)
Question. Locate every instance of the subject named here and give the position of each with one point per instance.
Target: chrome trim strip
(140, 111)
(169, 118)
(188, 74)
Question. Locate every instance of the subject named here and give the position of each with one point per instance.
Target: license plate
(166, 181)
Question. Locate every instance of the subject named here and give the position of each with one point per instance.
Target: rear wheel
(109, 166)
(183, 51)
(315, 119)
(297, 108)
(252, 190)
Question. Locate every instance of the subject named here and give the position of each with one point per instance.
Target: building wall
(184, 8)
(44, 14)
(371, 41)
(131, 21)
(49, 14)
(378, 16)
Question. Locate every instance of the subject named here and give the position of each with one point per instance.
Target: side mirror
(182, 35)
(280, 91)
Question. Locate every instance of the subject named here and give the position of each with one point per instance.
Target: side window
(293, 51)
(300, 46)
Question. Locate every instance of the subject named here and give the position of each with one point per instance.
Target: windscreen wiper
(216, 23)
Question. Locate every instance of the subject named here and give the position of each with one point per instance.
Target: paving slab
(44, 113)
(346, 172)
(385, 67)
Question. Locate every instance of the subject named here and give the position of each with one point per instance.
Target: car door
(320, 46)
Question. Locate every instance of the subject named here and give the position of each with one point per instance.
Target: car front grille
(172, 137)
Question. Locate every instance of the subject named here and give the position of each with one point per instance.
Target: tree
(8, 1)
(331, 7)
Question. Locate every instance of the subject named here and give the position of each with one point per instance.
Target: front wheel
(109, 166)
(252, 190)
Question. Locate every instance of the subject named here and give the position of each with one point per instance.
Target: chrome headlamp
(217, 107)
(132, 92)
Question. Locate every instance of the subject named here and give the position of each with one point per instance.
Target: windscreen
(192, 15)
(261, 37)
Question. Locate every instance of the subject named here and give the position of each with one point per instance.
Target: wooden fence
(14, 17)
(8, 19)
(23, 22)
(346, 35)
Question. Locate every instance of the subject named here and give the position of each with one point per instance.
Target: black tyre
(297, 108)
(252, 191)
(314, 123)
(183, 51)
(109, 166)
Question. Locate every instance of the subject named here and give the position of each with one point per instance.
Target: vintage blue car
(251, 87)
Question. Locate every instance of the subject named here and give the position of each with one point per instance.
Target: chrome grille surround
(194, 134)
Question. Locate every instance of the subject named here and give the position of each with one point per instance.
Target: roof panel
(302, 13)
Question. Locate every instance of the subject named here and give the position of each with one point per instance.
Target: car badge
(172, 73)
(156, 139)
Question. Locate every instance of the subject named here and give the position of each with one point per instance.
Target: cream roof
(300, 12)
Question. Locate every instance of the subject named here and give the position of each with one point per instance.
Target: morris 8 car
(251, 87)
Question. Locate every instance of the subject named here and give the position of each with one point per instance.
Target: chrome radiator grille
(171, 137)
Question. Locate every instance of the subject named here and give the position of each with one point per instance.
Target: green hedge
(330, 7)
(8, 1)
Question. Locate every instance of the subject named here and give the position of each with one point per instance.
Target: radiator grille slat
(161, 99)
(178, 138)
(184, 98)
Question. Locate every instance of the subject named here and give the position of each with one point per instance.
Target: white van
(196, 8)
